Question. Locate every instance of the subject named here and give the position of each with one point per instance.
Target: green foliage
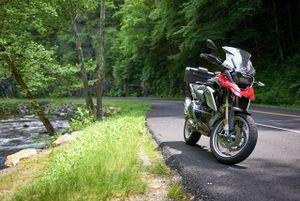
(131, 45)
(82, 118)
(147, 43)
(284, 82)
(23, 24)
(11, 106)
(157, 39)
(103, 162)
(36, 64)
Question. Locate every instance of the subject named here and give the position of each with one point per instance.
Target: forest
(148, 43)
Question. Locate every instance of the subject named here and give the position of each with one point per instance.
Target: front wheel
(238, 145)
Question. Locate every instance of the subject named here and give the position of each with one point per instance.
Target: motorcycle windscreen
(238, 60)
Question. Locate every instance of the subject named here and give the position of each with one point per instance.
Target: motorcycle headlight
(243, 81)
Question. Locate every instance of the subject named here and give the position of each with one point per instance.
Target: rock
(62, 114)
(155, 184)
(29, 116)
(64, 139)
(75, 133)
(24, 109)
(25, 126)
(15, 158)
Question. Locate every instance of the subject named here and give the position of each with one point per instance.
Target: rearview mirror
(259, 84)
(210, 44)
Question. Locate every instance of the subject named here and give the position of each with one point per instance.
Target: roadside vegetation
(103, 162)
(284, 106)
(177, 193)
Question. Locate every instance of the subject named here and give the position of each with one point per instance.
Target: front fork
(229, 116)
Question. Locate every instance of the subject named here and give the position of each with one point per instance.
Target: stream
(22, 132)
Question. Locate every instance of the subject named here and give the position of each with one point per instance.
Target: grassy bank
(103, 163)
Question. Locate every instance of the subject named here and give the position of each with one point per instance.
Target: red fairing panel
(226, 83)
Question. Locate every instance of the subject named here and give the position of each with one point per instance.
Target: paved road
(272, 172)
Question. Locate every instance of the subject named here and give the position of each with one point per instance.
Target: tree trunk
(100, 82)
(36, 106)
(86, 89)
(280, 50)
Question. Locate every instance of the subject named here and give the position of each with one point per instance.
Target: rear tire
(191, 137)
(247, 138)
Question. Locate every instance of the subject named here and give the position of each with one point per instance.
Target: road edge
(198, 193)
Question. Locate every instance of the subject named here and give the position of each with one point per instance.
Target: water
(22, 132)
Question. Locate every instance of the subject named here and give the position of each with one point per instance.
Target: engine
(199, 112)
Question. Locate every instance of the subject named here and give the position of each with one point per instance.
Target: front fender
(239, 110)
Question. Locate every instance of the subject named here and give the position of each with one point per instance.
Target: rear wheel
(191, 137)
(238, 145)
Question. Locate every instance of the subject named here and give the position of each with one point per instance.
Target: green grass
(25, 172)
(158, 166)
(289, 107)
(176, 192)
(102, 162)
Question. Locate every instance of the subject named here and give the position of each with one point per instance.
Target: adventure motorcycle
(216, 105)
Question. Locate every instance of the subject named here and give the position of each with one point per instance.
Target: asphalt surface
(272, 172)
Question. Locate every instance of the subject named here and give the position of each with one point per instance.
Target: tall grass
(102, 162)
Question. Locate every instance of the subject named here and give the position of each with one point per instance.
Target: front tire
(234, 148)
(191, 137)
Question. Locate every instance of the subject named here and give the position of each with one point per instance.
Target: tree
(86, 89)
(100, 82)
(37, 108)
(19, 19)
(133, 45)
(149, 43)
(73, 10)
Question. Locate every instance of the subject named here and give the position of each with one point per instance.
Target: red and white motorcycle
(217, 104)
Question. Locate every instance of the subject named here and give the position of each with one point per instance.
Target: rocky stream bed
(24, 130)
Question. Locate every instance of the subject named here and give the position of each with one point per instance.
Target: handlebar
(211, 58)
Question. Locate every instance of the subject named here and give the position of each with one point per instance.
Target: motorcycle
(216, 105)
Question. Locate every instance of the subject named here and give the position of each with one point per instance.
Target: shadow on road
(204, 175)
(193, 156)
